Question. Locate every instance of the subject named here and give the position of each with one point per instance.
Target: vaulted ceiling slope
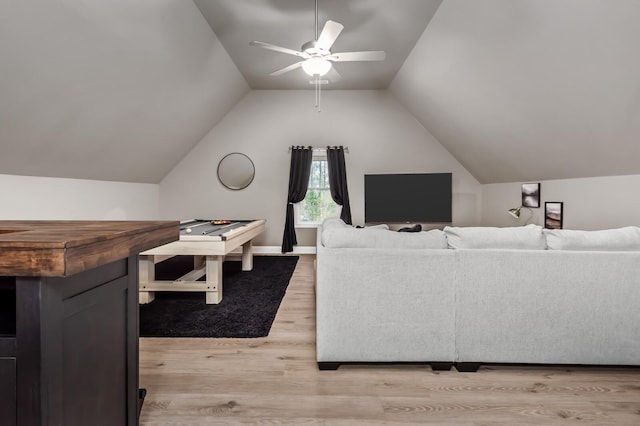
(521, 90)
(516, 90)
(110, 90)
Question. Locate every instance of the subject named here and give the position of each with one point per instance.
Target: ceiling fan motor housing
(312, 48)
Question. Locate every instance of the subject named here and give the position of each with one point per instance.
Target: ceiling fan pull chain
(318, 91)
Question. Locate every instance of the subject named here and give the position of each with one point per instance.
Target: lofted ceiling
(392, 26)
(114, 90)
(516, 90)
(526, 90)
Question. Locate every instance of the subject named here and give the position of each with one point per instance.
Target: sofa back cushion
(333, 222)
(528, 237)
(621, 239)
(335, 235)
(336, 222)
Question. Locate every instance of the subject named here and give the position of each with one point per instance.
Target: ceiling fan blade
(374, 55)
(329, 34)
(279, 49)
(286, 69)
(333, 75)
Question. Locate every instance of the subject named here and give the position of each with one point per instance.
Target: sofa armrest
(380, 305)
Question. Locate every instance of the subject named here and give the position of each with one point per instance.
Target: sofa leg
(441, 366)
(467, 367)
(328, 365)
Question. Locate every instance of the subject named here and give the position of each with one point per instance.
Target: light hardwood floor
(275, 380)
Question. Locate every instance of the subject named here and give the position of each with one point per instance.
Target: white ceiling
(516, 90)
(392, 26)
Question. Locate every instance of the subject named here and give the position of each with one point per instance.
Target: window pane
(317, 204)
(319, 177)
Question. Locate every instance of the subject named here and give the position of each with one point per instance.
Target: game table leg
(247, 256)
(214, 279)
(147, 274)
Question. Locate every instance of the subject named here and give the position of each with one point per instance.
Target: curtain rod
(315, 148)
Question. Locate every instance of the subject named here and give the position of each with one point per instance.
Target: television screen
(420, 197)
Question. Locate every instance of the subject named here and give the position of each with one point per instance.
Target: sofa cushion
(621, 239)
(381, 226)
(528, 237)
(336, 222)
(375, 237)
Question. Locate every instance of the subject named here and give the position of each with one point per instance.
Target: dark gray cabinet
(69, 320)
(7, 352)
(76, 348)
(8, 391)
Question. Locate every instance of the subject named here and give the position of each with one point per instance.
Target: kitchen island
(69, 321)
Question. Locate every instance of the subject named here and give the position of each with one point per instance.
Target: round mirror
(236, 171)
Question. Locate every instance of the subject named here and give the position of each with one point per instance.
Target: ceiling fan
(316, 55)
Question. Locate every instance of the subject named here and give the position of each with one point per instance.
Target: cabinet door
(8, 391)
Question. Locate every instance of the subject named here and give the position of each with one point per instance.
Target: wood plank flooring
(275, 381)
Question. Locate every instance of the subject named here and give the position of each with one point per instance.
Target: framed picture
(553, 215)
(531, 195)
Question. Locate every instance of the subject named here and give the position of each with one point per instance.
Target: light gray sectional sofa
(467, 296)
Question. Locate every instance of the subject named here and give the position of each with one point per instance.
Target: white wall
(589, 203)
(382, 136)
(44, 198)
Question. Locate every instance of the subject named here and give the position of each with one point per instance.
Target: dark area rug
(250, 301)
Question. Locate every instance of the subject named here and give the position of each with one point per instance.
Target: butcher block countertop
(63, 248)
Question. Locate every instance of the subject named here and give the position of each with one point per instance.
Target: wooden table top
(63, 248)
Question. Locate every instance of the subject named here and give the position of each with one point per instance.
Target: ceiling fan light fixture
(316, 66)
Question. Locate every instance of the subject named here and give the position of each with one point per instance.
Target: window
(317, 204)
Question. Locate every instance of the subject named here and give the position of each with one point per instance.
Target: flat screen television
(418, 197)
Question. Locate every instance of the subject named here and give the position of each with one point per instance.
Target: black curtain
(299, 172)
(338, 181)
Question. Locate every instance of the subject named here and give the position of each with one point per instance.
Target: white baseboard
(278, 250)
(261, 250)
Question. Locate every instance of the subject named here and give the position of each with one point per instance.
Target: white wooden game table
(208, 241)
